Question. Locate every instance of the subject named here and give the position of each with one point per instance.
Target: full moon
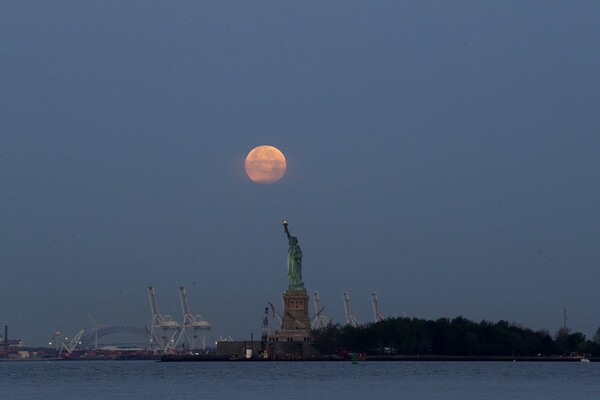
(265, 164)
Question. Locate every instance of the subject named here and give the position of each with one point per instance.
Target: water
(66, 380)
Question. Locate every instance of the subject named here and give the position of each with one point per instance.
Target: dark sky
(443, 154)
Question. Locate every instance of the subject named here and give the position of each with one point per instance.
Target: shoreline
(203, 358)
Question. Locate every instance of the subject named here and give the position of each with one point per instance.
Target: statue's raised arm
(287, 231)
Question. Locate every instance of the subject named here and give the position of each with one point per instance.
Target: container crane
(164, 331)
(350, 318)
(320, 320)
(192, 324)
(376, 312)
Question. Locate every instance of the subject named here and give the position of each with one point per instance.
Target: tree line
(452, 337)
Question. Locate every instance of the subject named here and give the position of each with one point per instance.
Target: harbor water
(66, 380)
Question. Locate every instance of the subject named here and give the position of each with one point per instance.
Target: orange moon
(265, 164)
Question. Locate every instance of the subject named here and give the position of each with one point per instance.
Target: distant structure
(76, 341)
(266, 328)
(276, 315)
(100, 331)
(294, 262)
(350, 318)
(377, 313)
(293, 339)
(192, 324)
(57, 340)
(164, 330)
(5, 341)
(266, 333)
(296, 323)
(319, 320)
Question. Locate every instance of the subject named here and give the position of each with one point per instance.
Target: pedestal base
(296, 322)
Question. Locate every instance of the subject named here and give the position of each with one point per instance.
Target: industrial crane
(276, 315)
(72, 344)
(319, 320)
(164, 330)
(350, 319)
(377, 313)
(192, 323)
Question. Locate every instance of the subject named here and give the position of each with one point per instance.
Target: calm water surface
(299, 380)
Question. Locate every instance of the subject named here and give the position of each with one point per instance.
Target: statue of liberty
(294, 262)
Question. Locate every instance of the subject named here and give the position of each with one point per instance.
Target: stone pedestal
(296, 322)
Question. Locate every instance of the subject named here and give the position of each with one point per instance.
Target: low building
(271, 350)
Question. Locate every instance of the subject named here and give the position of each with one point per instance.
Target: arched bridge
(100, 332)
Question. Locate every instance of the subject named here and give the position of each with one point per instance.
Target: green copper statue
(294, 262)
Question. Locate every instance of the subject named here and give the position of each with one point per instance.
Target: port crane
(276, 315)
(192, 324)
(72, 344)
(320, 320)
(350, 318)
(164, 331)
(376, 311)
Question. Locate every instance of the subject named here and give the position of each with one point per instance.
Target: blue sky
(443, 154)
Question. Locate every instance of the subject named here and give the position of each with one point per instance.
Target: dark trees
(445, 337)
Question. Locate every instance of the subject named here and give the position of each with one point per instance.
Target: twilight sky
(445, 154)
